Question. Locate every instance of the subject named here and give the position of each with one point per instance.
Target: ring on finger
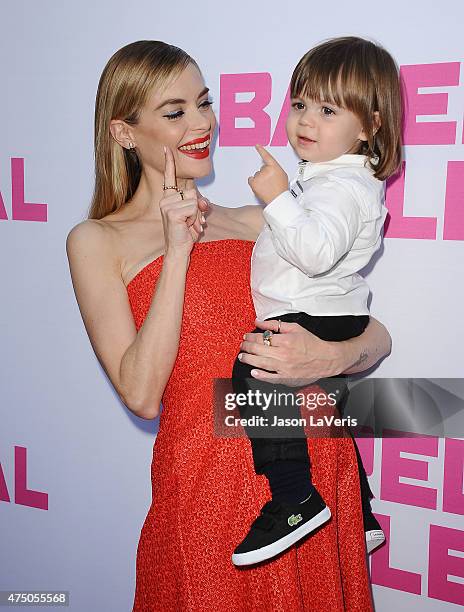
(267, 335)
(165, 187)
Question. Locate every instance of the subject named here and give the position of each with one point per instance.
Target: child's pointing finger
(266, 156)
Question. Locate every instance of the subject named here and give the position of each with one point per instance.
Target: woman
(161, 277)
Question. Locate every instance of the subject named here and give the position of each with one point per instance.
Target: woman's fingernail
(203, 219)
(244, 336)
(240, 356)
(254, 373)
(164, 148)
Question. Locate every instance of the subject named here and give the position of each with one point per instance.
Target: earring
(131, 146)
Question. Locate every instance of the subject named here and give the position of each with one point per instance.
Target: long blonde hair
(123, 89)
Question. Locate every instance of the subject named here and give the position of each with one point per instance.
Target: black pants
(291, 442)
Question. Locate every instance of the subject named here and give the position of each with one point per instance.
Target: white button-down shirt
(316, 238)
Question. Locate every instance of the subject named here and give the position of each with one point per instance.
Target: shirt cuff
(282, 210)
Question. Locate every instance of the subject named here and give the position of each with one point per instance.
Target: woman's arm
(371, 346)
(250, 216)
(298, 355)
(138, 364)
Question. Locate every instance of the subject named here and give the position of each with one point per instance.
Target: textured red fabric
(205, 491)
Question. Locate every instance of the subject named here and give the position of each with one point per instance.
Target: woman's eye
(206, 103)
(298, 105)
(175, 115)
(327, 111)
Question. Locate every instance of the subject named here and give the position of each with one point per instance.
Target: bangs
(330, 75)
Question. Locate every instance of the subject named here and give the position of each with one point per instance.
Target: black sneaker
(373, 532)
(278, 527)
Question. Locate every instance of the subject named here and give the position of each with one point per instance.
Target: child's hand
(271, 180)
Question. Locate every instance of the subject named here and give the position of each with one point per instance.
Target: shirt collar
(306, 169)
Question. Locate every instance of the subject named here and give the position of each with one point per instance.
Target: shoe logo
(294, 520)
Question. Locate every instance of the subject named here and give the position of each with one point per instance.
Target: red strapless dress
(205, 491)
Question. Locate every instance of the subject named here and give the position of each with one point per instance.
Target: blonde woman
(161, 277)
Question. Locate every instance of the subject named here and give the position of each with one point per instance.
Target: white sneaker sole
(271, 550)
(374, 538)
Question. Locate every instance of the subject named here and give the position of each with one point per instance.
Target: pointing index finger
(266, 156)
(169, 168)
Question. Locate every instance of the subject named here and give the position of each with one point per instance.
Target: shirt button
(300, 171)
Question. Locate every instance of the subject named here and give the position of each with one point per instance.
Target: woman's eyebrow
(181, 100)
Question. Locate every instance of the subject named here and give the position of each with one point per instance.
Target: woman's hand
(297, 357)
(182, 217)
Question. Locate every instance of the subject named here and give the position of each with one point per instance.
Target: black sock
(290, 481)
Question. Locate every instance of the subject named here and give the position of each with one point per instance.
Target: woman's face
(179, 117)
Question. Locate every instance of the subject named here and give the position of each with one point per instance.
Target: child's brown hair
(362, 77)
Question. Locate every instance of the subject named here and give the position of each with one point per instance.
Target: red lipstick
(200, 153)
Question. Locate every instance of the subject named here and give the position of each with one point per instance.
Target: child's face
(321, 131)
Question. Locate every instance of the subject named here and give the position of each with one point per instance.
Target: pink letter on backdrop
(260, 84)
(391, 577)
(23, 495)
(3, 214)
(21, 210)
(405, 227)
(442, 564)
(428, 75)
(280, 135)
(394, 466)
(4, 496)
(453, 226)
(453, 477)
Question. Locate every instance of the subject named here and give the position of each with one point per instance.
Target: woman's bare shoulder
(93, 239)
(88, 227)
(92, 231)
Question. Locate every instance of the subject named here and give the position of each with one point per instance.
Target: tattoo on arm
(362, 358)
